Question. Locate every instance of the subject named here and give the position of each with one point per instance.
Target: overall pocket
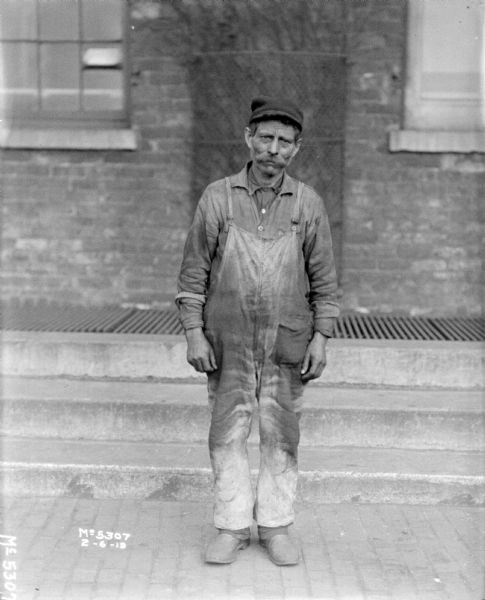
(292, 338)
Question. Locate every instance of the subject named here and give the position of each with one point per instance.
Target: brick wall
(109, 227)
(414, 223)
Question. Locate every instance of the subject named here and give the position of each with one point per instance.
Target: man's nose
(273, 148)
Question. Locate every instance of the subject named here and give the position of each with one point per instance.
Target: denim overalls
(257, 319)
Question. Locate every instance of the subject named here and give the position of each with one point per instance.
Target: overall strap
(295, 217)
(230, 215)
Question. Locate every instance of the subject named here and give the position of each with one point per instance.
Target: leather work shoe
(223, 549)
(282, 551)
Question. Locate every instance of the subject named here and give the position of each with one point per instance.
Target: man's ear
(247, 137)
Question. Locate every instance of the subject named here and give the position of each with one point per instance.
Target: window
(63, 64)
(444, 96)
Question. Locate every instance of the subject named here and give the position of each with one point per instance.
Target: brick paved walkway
(350, 552)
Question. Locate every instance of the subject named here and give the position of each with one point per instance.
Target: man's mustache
(271, 160)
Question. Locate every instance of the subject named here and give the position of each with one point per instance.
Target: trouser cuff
(266, 533)
(240, 534)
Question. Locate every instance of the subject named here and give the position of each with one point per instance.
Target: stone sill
(409, 140)
(68, 139)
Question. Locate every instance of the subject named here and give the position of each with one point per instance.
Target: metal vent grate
(108, 319)
(115, 319)
(389, 327)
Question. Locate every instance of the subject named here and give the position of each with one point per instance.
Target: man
(257, 299)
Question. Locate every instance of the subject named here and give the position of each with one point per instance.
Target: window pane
(60, 76)
(102, 19)
(451, 36)
(18, 77)
(102, 55)
(103, 89)
(451, 69)
(59, 19)
(460, 85)
(18, 19)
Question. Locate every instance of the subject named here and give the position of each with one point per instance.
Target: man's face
(272, 147)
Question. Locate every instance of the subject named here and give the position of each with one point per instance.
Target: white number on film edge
(9, 567)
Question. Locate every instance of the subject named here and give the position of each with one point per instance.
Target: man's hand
(315, 357)
(199, 352)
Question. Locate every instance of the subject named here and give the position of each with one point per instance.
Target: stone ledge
(68, 139)
(158, 357)
(156, 471)
(409, 140)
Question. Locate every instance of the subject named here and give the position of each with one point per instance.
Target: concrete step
(138, 356)
(176, 412)
(182, 472)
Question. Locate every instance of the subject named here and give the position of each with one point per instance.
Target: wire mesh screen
(228, 81)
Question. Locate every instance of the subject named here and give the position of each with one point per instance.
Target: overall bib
(259, 323)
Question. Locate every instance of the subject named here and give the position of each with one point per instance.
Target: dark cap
(265, 106)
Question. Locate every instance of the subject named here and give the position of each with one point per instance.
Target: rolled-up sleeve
(320, 265)
(198, 255)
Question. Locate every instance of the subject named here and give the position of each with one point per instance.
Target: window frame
(415, 134)
(83, 129)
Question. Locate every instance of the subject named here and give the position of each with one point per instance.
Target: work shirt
(265, 212)
(263, 196)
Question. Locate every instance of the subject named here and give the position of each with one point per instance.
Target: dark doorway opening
(242, 50)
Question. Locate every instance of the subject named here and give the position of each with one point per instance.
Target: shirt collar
(241, 179)
(254, 185)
